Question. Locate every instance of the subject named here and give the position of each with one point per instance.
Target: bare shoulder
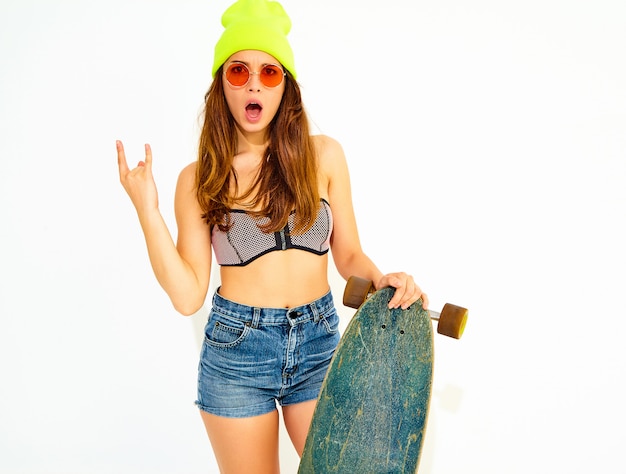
(326, 146)
(330, 154)
(187, 176)
(186, 199)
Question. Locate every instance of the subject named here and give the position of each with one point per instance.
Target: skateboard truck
(451, 320)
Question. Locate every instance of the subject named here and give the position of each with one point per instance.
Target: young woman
(271, 200)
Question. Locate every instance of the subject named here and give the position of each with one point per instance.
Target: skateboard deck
(371, 414)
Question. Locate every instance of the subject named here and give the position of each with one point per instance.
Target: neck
(252, 142)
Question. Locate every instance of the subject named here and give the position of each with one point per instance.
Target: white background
(487, 144)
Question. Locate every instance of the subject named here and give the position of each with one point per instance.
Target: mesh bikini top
(245, 242)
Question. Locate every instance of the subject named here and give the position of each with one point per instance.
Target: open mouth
(253, 110)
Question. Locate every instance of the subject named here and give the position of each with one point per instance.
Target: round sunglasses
(238, 74)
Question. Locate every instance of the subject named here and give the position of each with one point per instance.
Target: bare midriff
(280, 279)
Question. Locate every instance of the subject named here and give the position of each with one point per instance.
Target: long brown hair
(287, 179)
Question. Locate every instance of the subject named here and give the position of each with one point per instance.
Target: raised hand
(138, 182)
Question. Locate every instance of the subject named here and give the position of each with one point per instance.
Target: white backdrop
(487, 144)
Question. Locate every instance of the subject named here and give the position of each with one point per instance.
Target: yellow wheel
(452, 321)
(356, 292)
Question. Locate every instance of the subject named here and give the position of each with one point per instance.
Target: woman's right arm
(182, 269)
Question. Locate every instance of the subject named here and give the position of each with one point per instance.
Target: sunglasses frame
(251, 73)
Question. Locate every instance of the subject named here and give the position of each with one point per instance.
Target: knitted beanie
(260, 25)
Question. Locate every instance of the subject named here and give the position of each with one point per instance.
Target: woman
(271, 200)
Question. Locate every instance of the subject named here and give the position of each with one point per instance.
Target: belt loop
(316, 314)
(256, 316)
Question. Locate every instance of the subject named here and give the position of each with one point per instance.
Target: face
(254, 104)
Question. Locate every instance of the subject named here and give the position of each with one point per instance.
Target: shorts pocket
(331, 321)
(224, 332)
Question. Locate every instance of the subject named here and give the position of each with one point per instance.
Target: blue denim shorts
(253, 358)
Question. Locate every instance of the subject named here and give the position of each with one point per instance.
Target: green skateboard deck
(372, 410)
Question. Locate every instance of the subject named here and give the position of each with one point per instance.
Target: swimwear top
(245, 241)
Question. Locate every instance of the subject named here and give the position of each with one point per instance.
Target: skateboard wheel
(356, 292)
(452, 321)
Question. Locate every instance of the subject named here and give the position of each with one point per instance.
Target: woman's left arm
(348, 255)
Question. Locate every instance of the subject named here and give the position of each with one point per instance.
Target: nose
(254, 82)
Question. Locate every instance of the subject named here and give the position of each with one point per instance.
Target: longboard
(372, 410)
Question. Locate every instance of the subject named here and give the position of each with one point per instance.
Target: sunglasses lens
(271, 75)
(237, 74)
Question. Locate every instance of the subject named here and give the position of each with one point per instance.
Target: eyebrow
(246, 63)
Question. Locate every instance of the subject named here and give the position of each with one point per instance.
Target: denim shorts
(254, 357)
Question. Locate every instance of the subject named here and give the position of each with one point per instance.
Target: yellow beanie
(261, 25)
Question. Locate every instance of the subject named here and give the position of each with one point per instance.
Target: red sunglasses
(238, 74)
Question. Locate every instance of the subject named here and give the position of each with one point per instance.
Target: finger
(388, 281)
(424, 301)
(402, 294)
(397, 299)
(411, 294)
(407, 292)
(148, 161)
(121, 158)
